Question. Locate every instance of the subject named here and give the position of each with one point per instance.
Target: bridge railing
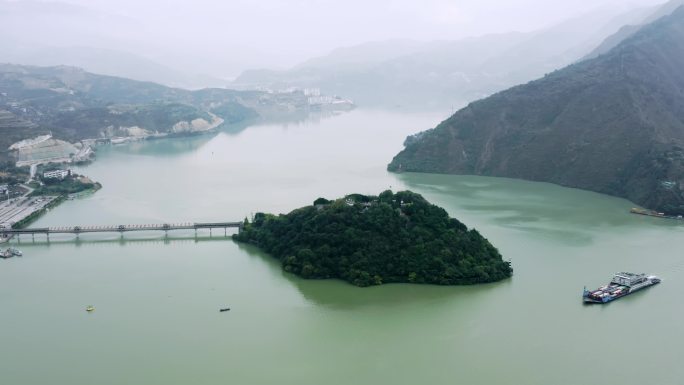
(123, 228)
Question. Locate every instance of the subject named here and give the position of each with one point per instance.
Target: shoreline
(655, 214)
(38, 213)
(216, 123)
(33, 216)
(89, 148)
(87, 152)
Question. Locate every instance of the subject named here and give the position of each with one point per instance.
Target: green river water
(157, 300)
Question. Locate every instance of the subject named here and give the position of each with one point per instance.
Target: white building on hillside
(56, 174)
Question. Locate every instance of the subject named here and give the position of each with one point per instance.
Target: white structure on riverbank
(44, 151)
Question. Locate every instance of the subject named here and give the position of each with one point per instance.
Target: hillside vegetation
(74, 104)
(613, 124)
(368, 240)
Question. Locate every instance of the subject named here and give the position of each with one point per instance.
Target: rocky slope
(613, 124)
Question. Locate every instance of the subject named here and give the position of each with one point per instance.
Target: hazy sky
(224, 37)
(309, 27)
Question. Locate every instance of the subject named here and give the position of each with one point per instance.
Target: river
(156, 318)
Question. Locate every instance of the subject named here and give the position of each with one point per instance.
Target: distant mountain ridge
(443, 74)
(626, 31)
(613, 124)
(105, 62)
(50, 33)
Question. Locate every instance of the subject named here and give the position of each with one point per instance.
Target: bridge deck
(122, 228)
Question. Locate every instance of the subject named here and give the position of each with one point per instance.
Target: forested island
(371, 240)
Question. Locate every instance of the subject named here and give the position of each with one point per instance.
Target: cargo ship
(621, 285)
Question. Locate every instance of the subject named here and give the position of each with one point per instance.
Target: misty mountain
(365, 55)
(613, 124)
(106, 62)
(55, 33)
(33, 25)
(649, 15)
(445, 73)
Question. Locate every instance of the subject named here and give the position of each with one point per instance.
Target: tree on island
(370, 240)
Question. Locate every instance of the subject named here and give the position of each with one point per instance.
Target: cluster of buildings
(313, 96)
(319, 100)
(315, 99)
(312, 92)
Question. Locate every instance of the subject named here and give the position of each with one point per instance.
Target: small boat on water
(224, 309)
(90, 308)
(621, 285)
(11, 252)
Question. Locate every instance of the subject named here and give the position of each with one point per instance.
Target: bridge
(166, 227)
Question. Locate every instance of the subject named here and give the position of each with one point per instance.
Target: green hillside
(613, 124)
